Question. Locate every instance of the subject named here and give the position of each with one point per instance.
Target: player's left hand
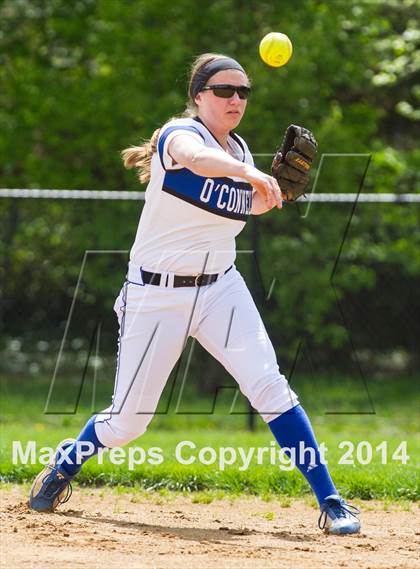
(293, 160)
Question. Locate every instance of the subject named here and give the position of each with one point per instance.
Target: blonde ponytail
(141, 157)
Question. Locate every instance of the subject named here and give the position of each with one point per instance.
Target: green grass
(396, 420)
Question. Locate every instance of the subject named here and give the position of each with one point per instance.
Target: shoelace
(340, 509)
(67, 496)
(56, 486)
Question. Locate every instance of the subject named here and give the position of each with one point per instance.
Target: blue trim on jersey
(232, 134)
(221, 196)
(164, 136)
(239, 143)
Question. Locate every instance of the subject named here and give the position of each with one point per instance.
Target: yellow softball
(275, 49)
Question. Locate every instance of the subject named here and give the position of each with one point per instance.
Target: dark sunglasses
(227, 91)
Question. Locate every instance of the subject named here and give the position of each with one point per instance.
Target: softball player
(182, 281)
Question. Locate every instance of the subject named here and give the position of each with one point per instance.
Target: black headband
(209, 69)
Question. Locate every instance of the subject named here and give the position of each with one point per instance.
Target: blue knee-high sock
(73, 461)
(293, 430)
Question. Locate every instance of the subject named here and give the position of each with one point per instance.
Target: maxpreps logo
(232, 199)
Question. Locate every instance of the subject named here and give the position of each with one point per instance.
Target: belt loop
(163, 279)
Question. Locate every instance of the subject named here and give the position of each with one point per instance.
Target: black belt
(179, 280)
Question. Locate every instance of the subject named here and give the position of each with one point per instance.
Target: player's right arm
(212, 162)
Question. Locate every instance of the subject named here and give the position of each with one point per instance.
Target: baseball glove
(292, 162)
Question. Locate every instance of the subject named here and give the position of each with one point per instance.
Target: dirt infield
(104, 528)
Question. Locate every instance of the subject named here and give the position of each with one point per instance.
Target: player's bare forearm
(259, 204)
(212, 162)
(203, 161)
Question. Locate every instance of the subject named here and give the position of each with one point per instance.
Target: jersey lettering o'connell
(222, 196)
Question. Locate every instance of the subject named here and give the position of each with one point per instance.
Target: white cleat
(337, 517)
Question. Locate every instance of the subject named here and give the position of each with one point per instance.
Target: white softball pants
(155, 323)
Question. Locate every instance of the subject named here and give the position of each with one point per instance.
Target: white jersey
(189, 223)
